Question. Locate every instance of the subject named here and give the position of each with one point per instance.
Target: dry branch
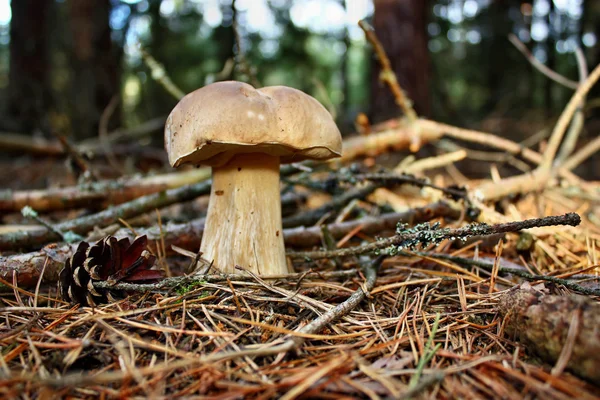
(82, 225)
(28, 266)
(427, 236)
(387, 73)
(97, 194)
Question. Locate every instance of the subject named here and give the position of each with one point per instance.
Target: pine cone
(109, 260)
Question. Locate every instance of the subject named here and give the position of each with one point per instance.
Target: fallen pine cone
(109, 260)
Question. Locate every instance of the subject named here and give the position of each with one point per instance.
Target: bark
(542, 323)
(401, 27)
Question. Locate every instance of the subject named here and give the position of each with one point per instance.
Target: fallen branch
(82, 225)
(549, 324)
(312, 216)
(427, 236)
(20, 143)
(97, 194)
(28, 266)
(402, 179)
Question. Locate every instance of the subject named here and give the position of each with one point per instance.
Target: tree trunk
(28, 89)
(401, 26)
(95, 64)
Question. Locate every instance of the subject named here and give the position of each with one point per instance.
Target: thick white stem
(243, 225)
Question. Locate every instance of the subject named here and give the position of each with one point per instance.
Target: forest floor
(441, 308)
(411, 281)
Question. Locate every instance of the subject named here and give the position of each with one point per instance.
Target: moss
(190, 286)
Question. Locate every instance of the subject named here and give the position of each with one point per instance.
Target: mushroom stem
(243, 225)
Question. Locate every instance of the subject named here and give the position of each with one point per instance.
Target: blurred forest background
(75, 66)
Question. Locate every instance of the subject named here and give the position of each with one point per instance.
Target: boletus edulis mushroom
(244, 134)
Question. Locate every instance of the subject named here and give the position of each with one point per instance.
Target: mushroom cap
(212, 124)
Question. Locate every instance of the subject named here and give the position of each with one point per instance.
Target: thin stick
(387, 74)
(556, 77)
(513, 271)
(158, 73)
(566, 116)
(312, 216)
(577, 123)
(435, 236)
(583, 154)
(77, 158)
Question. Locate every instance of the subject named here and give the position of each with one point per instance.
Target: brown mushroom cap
(212, 124)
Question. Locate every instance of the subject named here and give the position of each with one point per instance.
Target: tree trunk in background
(28, 88)
(495, 56)
(401, 26)
(95, 64)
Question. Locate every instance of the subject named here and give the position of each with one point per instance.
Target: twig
(199, 279)
(583, 154)
(399, 179)
(103, 132)
(310, 217)
(101, 193)
(78, 159)
(240, 58)
(158, 73)
(68, 237)
(566, 116)
(528, 182)
(576, 126)
(188, 235)
(488, 156)
(556, 77)
(387, 74)
(84, 224)
(429, 163)
(514, 271)
(427, 236)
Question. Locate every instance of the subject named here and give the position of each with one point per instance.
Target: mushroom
(244, 134)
